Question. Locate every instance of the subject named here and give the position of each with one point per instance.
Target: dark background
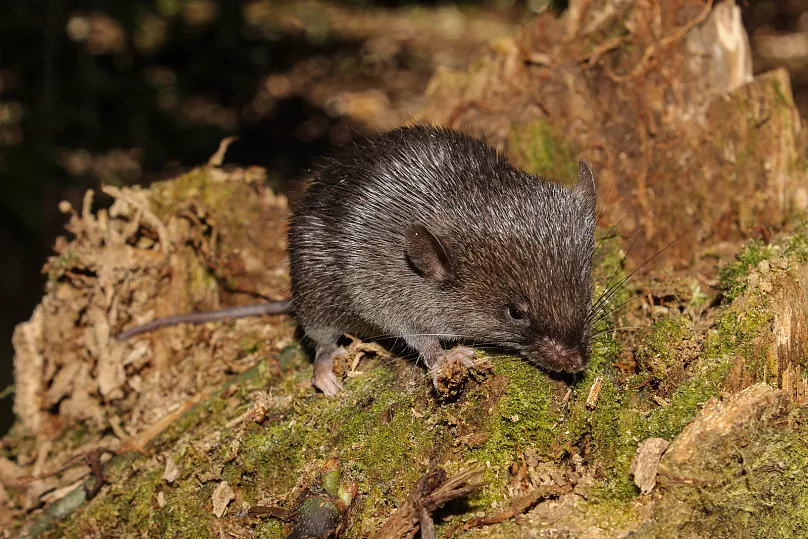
(126, 92)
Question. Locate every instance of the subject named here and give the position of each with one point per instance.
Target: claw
(327, 383)
(324, 378)
(445, 369)
(463, 354)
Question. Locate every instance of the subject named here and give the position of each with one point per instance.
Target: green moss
(625, 413)
(524, 415)
(374, 433)
(614, 428)
(607, 430)
(622, 419)
(796, 245)
(668, 421)
(734, 275)
(269, 529)
(657, 346)
(187, 511)
(763, 494)
(604, 351)
(737, 332)
(536, 148)
(521, 418)
(384, 434)
(128, 502)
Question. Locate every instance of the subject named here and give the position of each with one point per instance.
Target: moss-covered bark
(527, 429)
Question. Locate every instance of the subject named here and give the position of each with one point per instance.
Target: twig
(266, 511)
(519, 505)
(89, 458)
(97, 470)
(431, 492)
(217, 158)
(592, 57)
(148, 215)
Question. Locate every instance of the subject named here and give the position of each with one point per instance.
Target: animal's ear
(584, 188)
(428, 254)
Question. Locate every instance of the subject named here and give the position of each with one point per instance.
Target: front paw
(450, 370)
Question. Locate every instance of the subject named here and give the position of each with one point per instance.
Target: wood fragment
(645, 63)
(148, 216)
(431, 492)
(217, 158)
(222, 496)
(594, 393)
(427, 524)
(171, 471)
(645, 465)
(519, 505)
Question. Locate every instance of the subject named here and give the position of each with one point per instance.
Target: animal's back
(346, 240)
(347, 237)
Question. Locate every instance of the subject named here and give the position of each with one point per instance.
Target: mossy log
(216, 430)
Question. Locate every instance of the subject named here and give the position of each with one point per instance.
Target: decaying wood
(519, 504)
(660, 138)
(431, 492)
(645, 465)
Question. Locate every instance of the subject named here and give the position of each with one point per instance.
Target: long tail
(271, 307)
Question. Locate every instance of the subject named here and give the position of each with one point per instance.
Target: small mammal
(429, 235)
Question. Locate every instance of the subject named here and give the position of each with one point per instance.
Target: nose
(558, 357)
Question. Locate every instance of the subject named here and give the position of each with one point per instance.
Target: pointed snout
(557, 357)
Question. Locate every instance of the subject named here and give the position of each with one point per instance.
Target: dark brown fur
(429, 235)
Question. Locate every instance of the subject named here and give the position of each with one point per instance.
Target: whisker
(397, 336)
(631, 245)
(610, 330)
(608, 192)
(643, 265)
(608, 232)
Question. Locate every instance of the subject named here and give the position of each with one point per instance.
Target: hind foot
(450, 366)
(324, 378)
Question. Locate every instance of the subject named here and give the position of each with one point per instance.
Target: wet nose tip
(560, 357)
(574, 362)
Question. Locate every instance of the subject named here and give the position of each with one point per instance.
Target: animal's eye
(516, 313)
